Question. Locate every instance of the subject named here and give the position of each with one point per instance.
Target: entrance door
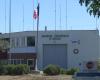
(31, 63)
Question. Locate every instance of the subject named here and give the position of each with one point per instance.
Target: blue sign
(86, 74)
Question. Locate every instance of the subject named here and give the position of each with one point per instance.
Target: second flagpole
(10, 31)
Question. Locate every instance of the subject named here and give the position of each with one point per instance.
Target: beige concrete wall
(86, 41)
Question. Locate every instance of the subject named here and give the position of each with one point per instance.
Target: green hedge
(52, 70)
(72, 71)
(55, 70)
(62, 71)
(11, 69)
(3, 70)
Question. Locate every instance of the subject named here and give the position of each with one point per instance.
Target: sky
(77, 17)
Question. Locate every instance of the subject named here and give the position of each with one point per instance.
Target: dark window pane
(23, 42)
(30, 62)
(30, 41)
(11, 61)
(16, 61)
(23, 61)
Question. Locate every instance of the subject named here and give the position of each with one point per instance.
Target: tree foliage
(93, 6)
(4, 44)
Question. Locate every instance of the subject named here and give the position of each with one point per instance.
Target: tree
(93, 6)
(4, 45)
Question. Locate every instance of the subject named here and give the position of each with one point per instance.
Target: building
(66, 49)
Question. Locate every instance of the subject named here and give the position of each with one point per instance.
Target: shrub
(11, 69)
(21, 69)
(26, 69)
(72, 71)
(3, 62)
(62, 71)
(98, 64)
(3, 69)
(52, 70)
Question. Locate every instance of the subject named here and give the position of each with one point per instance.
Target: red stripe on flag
(35, 15)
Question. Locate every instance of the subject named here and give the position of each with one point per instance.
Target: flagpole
(55, 20)
(55, 15)
(60, 17)
(33, 13)
(66, 15)
(10, 30)
(5, 16)
(38, 7)
(23, 16)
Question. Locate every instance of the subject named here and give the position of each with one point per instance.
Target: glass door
(30, 63)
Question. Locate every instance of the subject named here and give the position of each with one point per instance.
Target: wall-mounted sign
(76, 41)
(54, 37)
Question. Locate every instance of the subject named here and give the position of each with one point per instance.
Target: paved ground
(36, 77)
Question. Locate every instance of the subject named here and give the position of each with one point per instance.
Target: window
(23, 61)
(17, 42)
(13, 42)
(16, 61)
(30, 41)
(30, 62)
(11, 61)
(23, 42)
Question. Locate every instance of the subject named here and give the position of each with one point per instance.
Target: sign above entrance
(55, 37)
